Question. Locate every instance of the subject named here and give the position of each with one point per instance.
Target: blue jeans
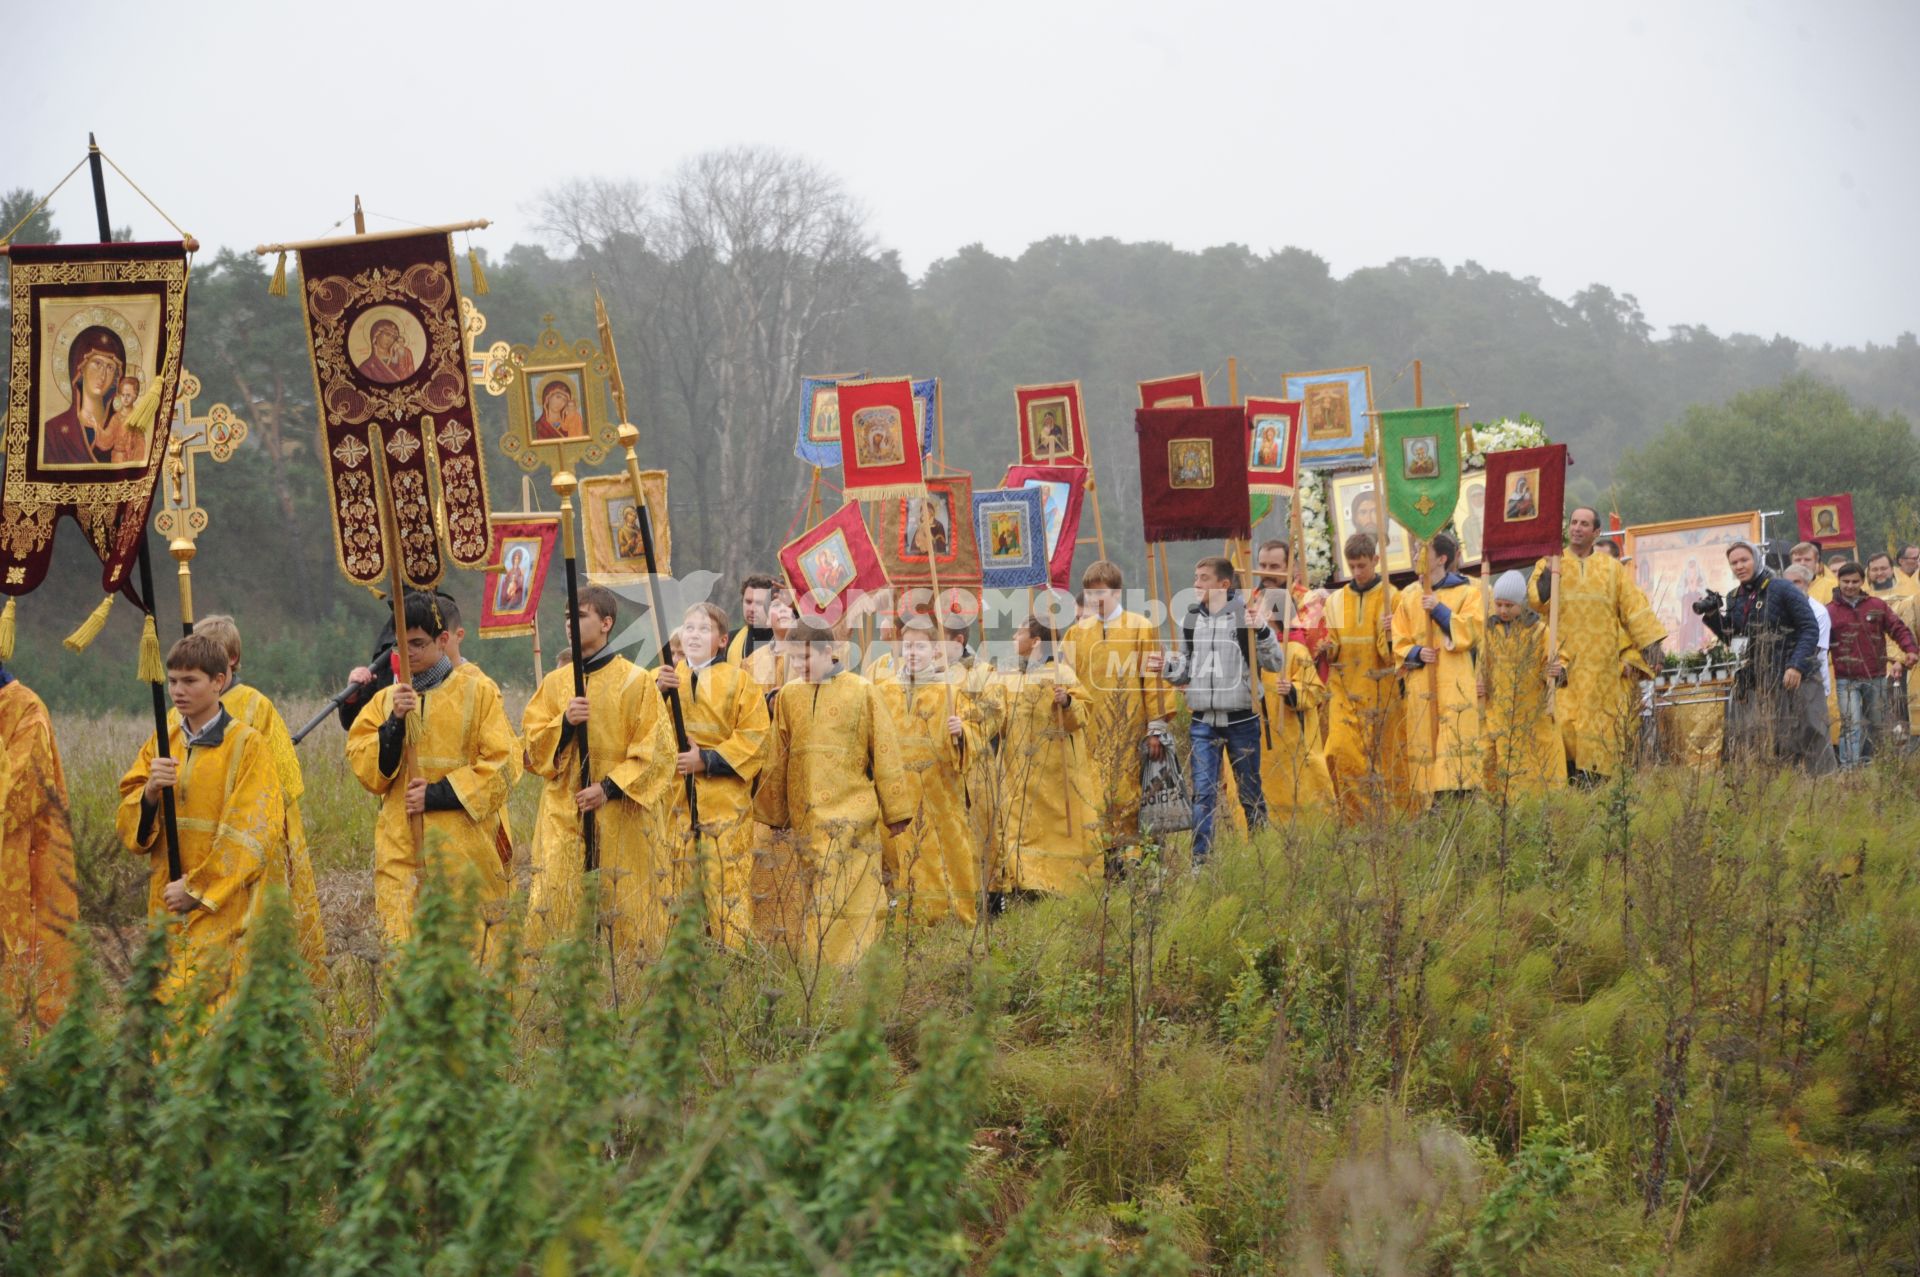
(1863, 713)
(1241, 741)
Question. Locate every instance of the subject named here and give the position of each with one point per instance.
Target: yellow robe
(1366, 712)
(883, 668)
(516, 768)
(833, 778)
(935, 863)
(1108, 661)
(1524, 750)
(724, 711)
(1603, 615)
(231, 822)
(776, 916)
(1293, 754)
(252, 707)
(1045, 838)
(39, 903)
(463, 737)
(1443, 700)
(630, 742)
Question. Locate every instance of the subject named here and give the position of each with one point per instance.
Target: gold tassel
(278, 286)
(89, 630)
(479, 276)
(1470, 448)
(7, 630)
(1373, 441)
(153, 668)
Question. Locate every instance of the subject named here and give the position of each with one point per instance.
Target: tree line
(732, 276)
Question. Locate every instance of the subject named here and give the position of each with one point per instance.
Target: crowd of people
(839, 791)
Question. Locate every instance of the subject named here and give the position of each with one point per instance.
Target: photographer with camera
(1777, 711)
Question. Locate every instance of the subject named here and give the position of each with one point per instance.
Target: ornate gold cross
(1424, 505)
(180, 517)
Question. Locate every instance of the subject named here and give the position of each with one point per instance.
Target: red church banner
(1053, 425)
(1188, 390)
(1526, 495)
(1193, 473)
(516, 573)
(98, 331)
(1273, 430)
(390, 371)
(879, 444)
(832, 563)
(1063, 490)
(1827, 520)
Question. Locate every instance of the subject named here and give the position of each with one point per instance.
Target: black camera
(1708, 604)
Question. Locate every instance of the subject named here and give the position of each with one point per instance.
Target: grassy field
(1668, 1027)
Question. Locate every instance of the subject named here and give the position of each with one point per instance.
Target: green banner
(1260, 506)
(1420, 455)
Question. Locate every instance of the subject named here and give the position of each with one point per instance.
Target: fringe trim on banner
(885, 492)
(153, 668)
(7, 631)
(81, 639)
(479, 276)
(1198, 532)
(277, 287)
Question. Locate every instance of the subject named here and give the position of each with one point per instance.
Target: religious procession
(937, 706)
(858, 746)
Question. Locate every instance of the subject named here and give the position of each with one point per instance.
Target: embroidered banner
(921, 535)
(819, 440)
(1063, 490)
(1053, 426)
(879, 442)
(516, 572)
(390, 371)
(1193, 473)
(1273, 433)
(1334, 415)
(1188, 390)
(1012, 526)
(1525, 492)
(1827, 520)
(1420, 456)
(831, 561)
(98, 331)
(615, 551)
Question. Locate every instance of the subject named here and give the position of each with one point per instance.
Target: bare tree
(737, 275)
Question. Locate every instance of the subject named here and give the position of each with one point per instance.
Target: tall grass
(1670, 1026)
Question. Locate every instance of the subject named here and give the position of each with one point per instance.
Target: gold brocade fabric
(630, 743)
(38, 900)
(1366, 712)
(251, 707)
(1443, 701)
(1603, 616)
(231, 822)
(1042, 782)
(1524, 750)
(463, 737)
(1293, 758)
(935, 864)
(725, 711)
(832, 779)
(1108, 662)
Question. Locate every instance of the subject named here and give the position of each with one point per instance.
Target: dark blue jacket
(1777, 619)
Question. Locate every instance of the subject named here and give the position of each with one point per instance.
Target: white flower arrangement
(1503, 436)
(1314, 528)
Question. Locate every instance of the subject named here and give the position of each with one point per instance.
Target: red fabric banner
(1053, 425)
(1827, 520)
(516, 573)
(1193, 473)
(390, 368)
(1526, 496)
(1273, 429)
(879, 446)
(833, 562)
(1188, 390)
(98, 331)
(1063, 489)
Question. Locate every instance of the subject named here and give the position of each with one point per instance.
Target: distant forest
(733, 276)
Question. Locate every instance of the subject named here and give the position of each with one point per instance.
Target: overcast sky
(1753, 167)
